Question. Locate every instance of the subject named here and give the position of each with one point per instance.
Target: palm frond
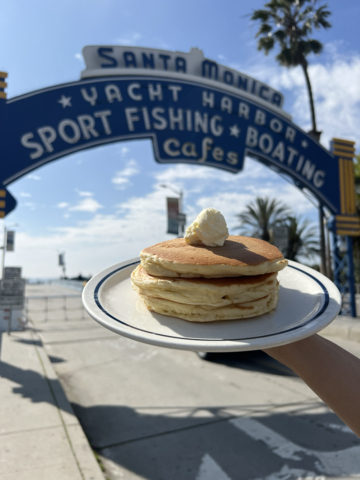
(262, 15)
(261, 215)
(266, 44)
(315, 46)
(303, 238)
(265, 29)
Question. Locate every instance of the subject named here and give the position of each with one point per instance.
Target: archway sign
(194, 111)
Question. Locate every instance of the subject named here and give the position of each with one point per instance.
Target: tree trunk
(314, 131)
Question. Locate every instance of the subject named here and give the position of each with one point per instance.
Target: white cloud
(79, 57)
(229, 205)
(85, 194)
(87, 205)
(30, 205)
(185, 172)
(131, 39)
(130, 170)
(201, 176)
(122, 177)
(124, 151)
(335, 86)
(119, 181)
(32, 176)
(24, 194)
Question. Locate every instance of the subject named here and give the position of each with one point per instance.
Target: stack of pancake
(204, 284)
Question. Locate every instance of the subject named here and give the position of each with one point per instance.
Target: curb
(344, 327)
(80, 447)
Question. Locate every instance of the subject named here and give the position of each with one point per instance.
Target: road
(159, 414)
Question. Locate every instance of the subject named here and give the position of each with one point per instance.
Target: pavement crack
(37, 429)
(80, 340)
(161, 434)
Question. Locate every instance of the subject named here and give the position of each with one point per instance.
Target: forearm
(330, 371)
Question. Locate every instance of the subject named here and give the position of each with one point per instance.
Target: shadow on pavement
(32, 385)
(54, 359)
(203, 443)
(29, 341)
(256, 360)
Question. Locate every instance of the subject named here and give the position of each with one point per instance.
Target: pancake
(237, 257)
(204, 291)
(204, 313)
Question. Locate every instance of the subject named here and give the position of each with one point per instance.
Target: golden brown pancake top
(236, 251)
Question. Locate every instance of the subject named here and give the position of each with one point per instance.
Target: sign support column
(344, 226)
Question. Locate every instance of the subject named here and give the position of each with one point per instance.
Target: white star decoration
(234, 131)
(304, 144)
(65, 101)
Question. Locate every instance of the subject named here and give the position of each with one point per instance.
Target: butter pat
(209, 228)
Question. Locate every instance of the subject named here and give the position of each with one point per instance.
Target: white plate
(308, 302)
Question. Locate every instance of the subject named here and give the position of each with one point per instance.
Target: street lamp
(181, 220)
(178, 192)
(6, 228)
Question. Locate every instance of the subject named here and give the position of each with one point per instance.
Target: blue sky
(103, 205)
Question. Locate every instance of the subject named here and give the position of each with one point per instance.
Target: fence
(54, 307)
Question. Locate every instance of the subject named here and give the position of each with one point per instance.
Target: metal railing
(54, 307)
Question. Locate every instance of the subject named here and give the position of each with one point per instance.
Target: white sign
(12, 292)
(12, 272)
(117, 60)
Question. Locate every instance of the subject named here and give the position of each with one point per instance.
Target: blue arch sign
(194, 110)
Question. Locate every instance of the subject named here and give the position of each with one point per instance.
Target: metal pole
(351, 278)
(3, 255)
(323, 268)
(26, 309)
(328, 255)
(8, 310)
(336, 261)
(46, 308)
(65, 308)
(181, 211)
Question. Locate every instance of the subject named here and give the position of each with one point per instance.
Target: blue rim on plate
(322, 309)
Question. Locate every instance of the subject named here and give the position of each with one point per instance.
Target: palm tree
(289, 23)
(303, 238)
(261, 216)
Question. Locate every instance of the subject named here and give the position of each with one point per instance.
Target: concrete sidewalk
(40, 437)
(344, 327)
